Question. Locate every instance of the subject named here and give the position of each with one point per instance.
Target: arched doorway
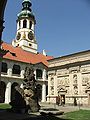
(13, 91)
(2, 92)
(39, 90)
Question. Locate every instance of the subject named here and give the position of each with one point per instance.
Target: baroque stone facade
(69, 77)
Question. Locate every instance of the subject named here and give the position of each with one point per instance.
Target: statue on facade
(26, 99)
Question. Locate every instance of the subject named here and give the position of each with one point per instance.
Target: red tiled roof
(18, 54)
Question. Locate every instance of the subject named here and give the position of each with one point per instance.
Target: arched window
(4, 67)
(30, 24)
(19, 24)
(25, 24)
(16, 69)
(38, 74)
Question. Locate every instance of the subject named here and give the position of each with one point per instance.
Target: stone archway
(39, 90)
(2, 92)
(13, 91)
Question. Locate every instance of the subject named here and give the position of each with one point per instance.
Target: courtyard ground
(70, 113)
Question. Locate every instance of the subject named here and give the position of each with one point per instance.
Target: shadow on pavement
(9, 115)
(45, 118)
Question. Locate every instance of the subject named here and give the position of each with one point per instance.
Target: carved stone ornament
(52, 81)
(88, 85)
(61, 89)
(85, 80)
(52, 90)
(63, 81)
(75, 79)
(75, 90)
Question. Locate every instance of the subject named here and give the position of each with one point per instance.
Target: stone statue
(30, 90)
(26, 99)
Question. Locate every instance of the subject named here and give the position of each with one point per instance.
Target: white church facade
(23, 53)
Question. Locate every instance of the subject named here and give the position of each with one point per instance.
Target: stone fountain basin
(51, 111)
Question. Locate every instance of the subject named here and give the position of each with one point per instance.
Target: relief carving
(52, 82)
(85, 80)
(52, 86)
(74, 69)
(85, 69)
(61, 88)
(75, 90)
(88, 85)
(63, 81)
(62, 72)
(52, 90)
(75, 84)
(75, 79)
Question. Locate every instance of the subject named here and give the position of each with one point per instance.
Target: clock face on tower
(18, 36)
(30, 35)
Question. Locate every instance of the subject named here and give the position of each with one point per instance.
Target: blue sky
(63, 26)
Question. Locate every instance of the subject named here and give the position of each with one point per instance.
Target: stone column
(35, 73)
(9, 71)
(8, 93)
(17, 25)
(44, 92)
(22, 74)
(10, 67)
(44, 75)
(21, 23)
(28, 24)
(32, 26)
(44, 86)
(55, 87)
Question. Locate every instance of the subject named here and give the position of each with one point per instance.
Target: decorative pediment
(62, 89)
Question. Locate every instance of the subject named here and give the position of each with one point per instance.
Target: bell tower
(25, 35)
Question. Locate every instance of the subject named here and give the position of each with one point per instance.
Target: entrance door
(63, 99)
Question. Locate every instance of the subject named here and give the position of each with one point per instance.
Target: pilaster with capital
(10, 67)
(44, 75)
(43, 92)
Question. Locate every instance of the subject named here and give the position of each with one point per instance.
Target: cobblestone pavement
(5, 115)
